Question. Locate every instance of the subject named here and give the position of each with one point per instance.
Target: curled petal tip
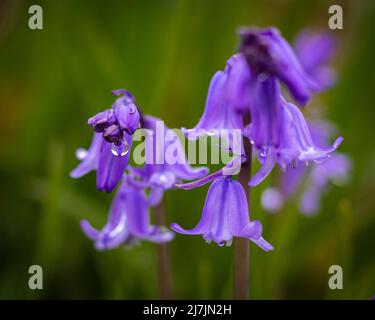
(253, 182)
(89, 231)
(185, 186)
(263, 244)
(73, 174)
(337, 142)
(177, 228)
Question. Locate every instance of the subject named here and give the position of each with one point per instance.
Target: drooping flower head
(314, 50)
(109, 151)
(278, 130)
(226, 215)
(268, 54)
(296, 144)
(220, 118)
(313, 179)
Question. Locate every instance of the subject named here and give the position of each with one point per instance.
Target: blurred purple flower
(109, 151)
(128, 222)
(315, 50)
(269, 55)
(225, 215)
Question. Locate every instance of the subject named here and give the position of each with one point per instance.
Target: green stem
(241, 245)
(163, 264)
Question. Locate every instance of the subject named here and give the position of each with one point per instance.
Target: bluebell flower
(128, 222)
(296, 144)
(314, 50)
(109, 151)
(268, 54)
(226, 215)
(220, 111)
(313, 179)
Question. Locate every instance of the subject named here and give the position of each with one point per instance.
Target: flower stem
(163, 264)
(241, 245)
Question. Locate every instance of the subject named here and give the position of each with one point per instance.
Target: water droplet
(252, 141)
(120, 150)
(81, 153)
(163, 178)
(211, 132)
(263, 153)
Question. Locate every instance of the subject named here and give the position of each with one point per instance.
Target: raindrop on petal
(120, 150)
(211, 132)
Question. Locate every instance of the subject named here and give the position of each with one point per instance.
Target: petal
(215, 224)
(231, 168)
(237, 84)
(213, 198)
(236, 206)
(292, 178)
(155, 196)
(187, 172)
(163, 179)
(115, 232)
(314, 49)
(252, 230)
(135, 204)
(267, 52)
(160, 235)
(266, 111)
(90, 161)
(263, 244)
(213, 111)
(264, 171)
(128, 117)
(111, 168)
(308, 149)
(89, 231)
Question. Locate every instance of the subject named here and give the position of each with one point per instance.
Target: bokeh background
(165, 52)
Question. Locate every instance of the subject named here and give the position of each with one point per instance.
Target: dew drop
(81, 153)
(263, 153)
(211, 132)
(120, 150)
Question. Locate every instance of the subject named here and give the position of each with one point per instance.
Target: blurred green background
(165, 52)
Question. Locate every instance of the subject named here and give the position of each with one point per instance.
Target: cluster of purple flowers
(250, 87)
(140, 188)
(314, 50)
